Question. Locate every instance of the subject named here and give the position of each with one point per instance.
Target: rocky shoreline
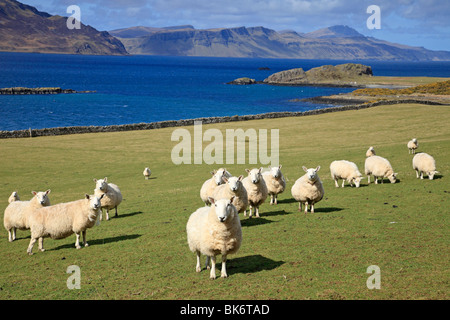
(27, 91)
(189, 122)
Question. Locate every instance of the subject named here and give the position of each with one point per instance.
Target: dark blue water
(135, 89)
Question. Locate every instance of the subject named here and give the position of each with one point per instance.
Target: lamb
(208, 187)
(424, 163)
(214, 230)
(379, 167)
(17, 213)
(233, 187)
(345, 170)
(61, 220)
(113, 196)
(256, 190)
(370, 152)
(412, 146)
(308, 189)
(147, 173)
(13, 197)
(275, 183)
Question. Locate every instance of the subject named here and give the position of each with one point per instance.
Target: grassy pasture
(143, 254)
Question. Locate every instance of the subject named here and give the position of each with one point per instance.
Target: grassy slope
(143, 254)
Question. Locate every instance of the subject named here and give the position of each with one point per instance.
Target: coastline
(31, 133)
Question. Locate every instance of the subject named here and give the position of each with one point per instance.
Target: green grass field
(143, 254)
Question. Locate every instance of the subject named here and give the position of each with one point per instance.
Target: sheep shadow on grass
(95, 242)
(249, 264)
(127, 214)
(254, 221)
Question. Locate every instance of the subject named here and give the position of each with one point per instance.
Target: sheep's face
(370, 152)
(94, 202)
(431, 174)
(101, 184)
(393, 177)
(42, 197)
(254, 175)
(219, 176)
(311, 173)
(275, 172)
(224, 209)
(234, 183)
(357, 181)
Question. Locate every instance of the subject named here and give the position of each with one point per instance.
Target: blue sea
(136, 89)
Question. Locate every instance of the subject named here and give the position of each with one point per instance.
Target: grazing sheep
(214, 230)
(275, 183)
(61, 220)
(370, 152)
(233, 187)
(412, 146)
(208, 187)
(112, 198)
(147, 173)
(17, 213)
(345, 170)
(13, 197)
(424, 163)
(308, 189)
(256, 190)
(379, 167)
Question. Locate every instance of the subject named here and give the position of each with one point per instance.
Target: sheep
(61, 220)
(214, 230)
(113, 196)
(208, 187)
(17, 213)
(370, 152)
(147, 173)
(13, 197)
(275, 183)
(345, 170)
(379, 167)
(256, 190)
(308, 189)
(412, 146)
(233, 187)
(424, 163)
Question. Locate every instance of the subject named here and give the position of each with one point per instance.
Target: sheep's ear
(225, 179)
(232, 198)
(95, 180)
(106, 179)
(240, 177)
(318, 168)
(34, 193)
(305, 169)
(101, 197)
(48, 191)
(247, 170)
(211, 200)
(86, 196)
(279, 167)
(260, 169)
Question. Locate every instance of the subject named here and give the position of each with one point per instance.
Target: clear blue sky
(412, 22)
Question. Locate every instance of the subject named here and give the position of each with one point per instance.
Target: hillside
(337, 42)
(25, 29)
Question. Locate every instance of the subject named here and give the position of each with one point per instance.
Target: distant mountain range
(337, 42)
(25, 29)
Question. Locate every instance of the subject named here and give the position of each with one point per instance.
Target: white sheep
(17, 213)
(379, 167)
(256, 190)
(214, 230)
(412, 146)
(370, 152)
(275, 183)
(147, 173)
(62, 220)
(424, 163)
(345, 170)
(233, 187)
(13, 197)
(208, 187)
(112, 198)
(308, 189)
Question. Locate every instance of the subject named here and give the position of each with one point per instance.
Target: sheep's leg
(417, 174)
(312, 208)
(107, 214)
(116, 212)
(306, 207)
(257, 212)
(10, 239)
(376, 179)
(208, 263)
(336, 182)
(276, 199)
(343, 182)
(299, 206)
(84, 239)
(198, 268)
(223, 272)
(271, 199)
(77, 241)
(421, 175)
(368, 179)
(101, 214)
(41, 244)
(14, 229)
(250, 212)
(212, 275)
(30, 246)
